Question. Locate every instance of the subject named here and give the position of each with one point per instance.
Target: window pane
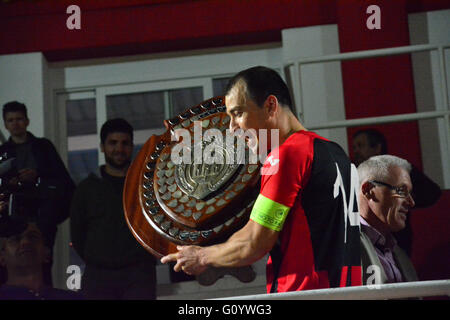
(144, 110)
(219, 86)
(182, 99)
(136, 149)
(81, 117)
(81, 163)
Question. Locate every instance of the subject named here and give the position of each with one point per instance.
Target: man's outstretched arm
(244, 247)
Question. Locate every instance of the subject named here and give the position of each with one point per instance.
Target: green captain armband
(269, 213)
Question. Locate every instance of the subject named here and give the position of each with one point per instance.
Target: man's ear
(366, 189)
(271, 105)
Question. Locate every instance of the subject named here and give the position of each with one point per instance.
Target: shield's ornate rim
(154, 224)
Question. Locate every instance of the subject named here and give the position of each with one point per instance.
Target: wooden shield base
(168, 204)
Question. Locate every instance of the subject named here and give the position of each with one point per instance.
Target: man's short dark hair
(262, 82)
(14, 106)
(374, 137)
(115, 125)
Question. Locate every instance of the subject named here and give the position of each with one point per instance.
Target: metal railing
(379, 120)
(418, 289)
(295, 65)
(442, 111)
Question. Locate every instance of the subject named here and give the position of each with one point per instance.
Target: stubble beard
(119, 166)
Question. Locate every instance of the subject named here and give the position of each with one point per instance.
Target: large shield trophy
(168, 202)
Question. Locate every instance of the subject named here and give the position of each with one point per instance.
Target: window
(81, 128)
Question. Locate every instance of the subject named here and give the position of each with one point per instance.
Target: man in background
(117, 266)
(371, 142)
(24, 254)
(385, 201)
(42, 183)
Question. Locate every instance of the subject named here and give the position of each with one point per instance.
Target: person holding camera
(39, 182)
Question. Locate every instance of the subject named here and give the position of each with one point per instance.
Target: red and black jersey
(319, 244)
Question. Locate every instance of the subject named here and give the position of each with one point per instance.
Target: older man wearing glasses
(385, 200)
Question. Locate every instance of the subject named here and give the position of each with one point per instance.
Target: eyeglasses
(401, 191)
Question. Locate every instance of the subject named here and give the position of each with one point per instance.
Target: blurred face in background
(16, 123)
(362, 149)
(118, 149)
(24, 251)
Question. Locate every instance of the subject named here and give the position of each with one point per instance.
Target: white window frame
(141, 136)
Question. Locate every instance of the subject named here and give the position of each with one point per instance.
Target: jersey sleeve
(284, 175)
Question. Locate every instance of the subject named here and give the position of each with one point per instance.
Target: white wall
(323, 97)
(22, 79)
(203, 64)
(25, 78)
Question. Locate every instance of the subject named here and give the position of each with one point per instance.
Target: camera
(23, 198)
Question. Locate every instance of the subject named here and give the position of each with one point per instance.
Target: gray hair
(377, 167)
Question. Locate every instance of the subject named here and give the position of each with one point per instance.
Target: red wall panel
(118, 27)
(156, 27)
(379, 86)
(431, 240)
